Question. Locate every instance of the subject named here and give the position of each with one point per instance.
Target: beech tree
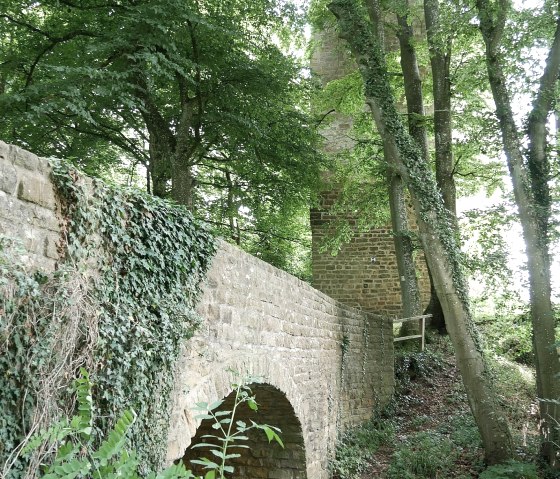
(197, 91)
(436, 227)
(530, 173)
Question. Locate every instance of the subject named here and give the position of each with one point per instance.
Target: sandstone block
(23, 158)
(51, 246)
(43, 166)
(36, 189)
(8, 177)
(4, 151)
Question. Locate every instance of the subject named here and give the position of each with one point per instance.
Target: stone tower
(364, 273)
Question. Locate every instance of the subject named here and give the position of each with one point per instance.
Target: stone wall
(325, 365)
(333, 364)
(364, 273)
(28, 207)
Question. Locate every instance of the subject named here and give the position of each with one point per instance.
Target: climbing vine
(146, 259)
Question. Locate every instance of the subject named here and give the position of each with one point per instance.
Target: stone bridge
(324, 366)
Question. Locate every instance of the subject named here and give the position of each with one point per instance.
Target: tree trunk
(440, 60)
(415, 109)
(532, 200)
(404, 248)
(183, 181)
(436, 233)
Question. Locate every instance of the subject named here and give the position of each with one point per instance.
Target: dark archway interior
(262, 460)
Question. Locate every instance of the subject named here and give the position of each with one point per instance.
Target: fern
(74, 460)
(55, 433)
(111, 446)
(84, 417)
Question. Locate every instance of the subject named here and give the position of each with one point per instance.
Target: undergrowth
(433, 433)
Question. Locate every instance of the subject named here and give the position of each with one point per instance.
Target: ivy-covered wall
(120, 301)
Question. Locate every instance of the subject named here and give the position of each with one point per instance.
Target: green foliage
(121, 303)
(411, 365)
(510, 470)
(486, 236)
(229, 432)
(509, 336)
(74, 456)
(46, 329)
(358, 445)
(424, 455)
(180, 87)
(151, 257)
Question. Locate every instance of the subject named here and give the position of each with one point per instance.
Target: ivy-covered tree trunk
(415, 108)
(530, 175)
(404, 248)
(436, 232)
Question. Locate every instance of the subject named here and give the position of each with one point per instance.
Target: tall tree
(436, 229)
(530, 176)
(197, 91)
(404, 248)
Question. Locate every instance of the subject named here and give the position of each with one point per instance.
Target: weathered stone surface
(37, 189)
(262, 320)
(51, 246)
(8, 177)
(4, 152)
(23, 158)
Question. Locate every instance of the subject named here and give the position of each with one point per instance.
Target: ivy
(151, 257)
(121, 305)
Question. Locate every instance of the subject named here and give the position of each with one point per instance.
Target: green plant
(424, 455)
(151, 257)
(510, 470)
(358, 444)
(411, 365)
(232, 433)
(72, 441)
(509, 336)
(75, 456)
(121, 304)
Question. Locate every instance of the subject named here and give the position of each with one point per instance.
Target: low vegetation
(428, 431)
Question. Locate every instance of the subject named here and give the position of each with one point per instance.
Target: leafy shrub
(414, 365)
(424, 455)
(358, 445)
(511, 470)
(463, 431)
(510, 336)
(75, 457)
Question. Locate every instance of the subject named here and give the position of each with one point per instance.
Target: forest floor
(428, 431)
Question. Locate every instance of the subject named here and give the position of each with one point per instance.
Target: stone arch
(263, 459)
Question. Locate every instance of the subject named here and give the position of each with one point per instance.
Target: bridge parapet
(325, 365)
(332, 362)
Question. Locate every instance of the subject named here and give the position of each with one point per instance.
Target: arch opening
(262, 460)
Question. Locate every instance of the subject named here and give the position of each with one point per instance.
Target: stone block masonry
(364, 273)
(331, 363)
(28, 207)
(325, 365)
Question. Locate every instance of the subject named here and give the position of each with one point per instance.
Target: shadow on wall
(262, 460)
